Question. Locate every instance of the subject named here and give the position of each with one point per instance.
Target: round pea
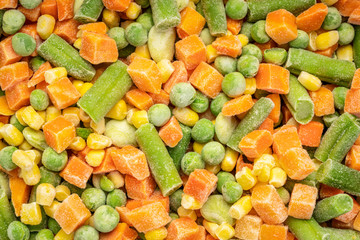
(339, 94)
(143, 3)
(224, 177)
(53, 225)
(225, 64)
(6, 158)
(85, 233)
(18, 231)
(146, 20)
(106, 219)
(284, 195)
(182, 95)
(106, 184)
(332, 19)
(173, 216)
(276, 56)
(200, 104)
(30, 4)
(203, 131)
(126, 51)
(217, 104)
(12, 21)
(251, 49)
(159, 114)
(246, 30)
(136, 34)
(14, 121)
(54, 161)
(346, 33)
(118, 34)
(234, 84)
(116, 198)
(231, 191)
(258, 32)
(301, 41)
(248, 65)
(36, 62)
(44, 234)
(236, 9)
(93, 198)
(175, 199)
(206, 37)
(39, 100)
(191, 161)
(213, 153)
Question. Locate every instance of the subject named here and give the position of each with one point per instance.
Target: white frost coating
(161, 44)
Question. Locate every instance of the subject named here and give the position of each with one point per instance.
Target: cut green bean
(6, 215)
(89, 11)
(215, 16)
(178, 152)
(332, 207)
(329, 119)
(165, 13)
(356, 46)
(339, 94)
(305, 229)
(4, 184)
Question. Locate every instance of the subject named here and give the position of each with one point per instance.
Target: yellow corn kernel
(97, 141)
(45, 194)
(130, 113)
(182, 212)
(30, 213)
(62, 192)
(98, 127)
(25, 146)
(157, 234)
(186, 116)
(110, 18)
(18, 115)
(277, 177)
(345, 53)
(191, 5)
(96, 180)
(250, 86)
(210, 227)
(243, 39)
(133, 11)
(84, 117)
(309, 81)
(119, 111)
(77, 144)
(312, 41)
(23, 160)
(229, 161)
(117, 179)
(77, 43)
(50, 210)
(197, 147)
(241, 208)
(189, 202)
(85, 87)
(1, 125)
(42, 115)
(32, 118)
(166, 69)
(95, 157)
(264, 160)
(61, 235)
(2, 145)
(77, 84)
(90, 221)
(213, 168)
(327, 39)
(329, 2)
(35, 155)
(45, 26)
(31, 177)
(246, 178)
(79, 34)
(52, 113)
(11, 135)
(139, 118)
(126, 23)
(211, 54)
(225, 231)
(55, 74)
(143, 51)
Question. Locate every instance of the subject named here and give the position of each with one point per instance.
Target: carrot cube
(312, 19)
(8, 4)
(297, 163)
(162, 97)
(237, 105)
(248, 227)
(191, 23)
(191, 50)
(353, 158)
(228, 45)
(323, 100)
(149, 217)
(71, 213)
(273, 78)
(273, 232)
(63, 93)
(285, 138)
(49, 7)
(349, 216)
(139, 99)
(268, 204)
(145, 75)
(18, 96)
(7, 53)
(155, 197)
(117, 5)
(97, 27)
(352, 102)
(132, 161)
(139, 189)
(254, 144)
(65, 9)
(302, 201)
(281, 26)
(67, 30)
(30, 14)
(329, 52)
(121, 232)
(275, 113)
(39, 74)
(123, 211)
(20, 193)
(201, 184)
(234, 26)
(171, 132)
(346, 7)
(207, 80)
(327, 191)
(107, 165)
(14, 73)
(355, 84)
(268, 124)
(179, 75)
(182, 229)
(310, 134)
(76, 172)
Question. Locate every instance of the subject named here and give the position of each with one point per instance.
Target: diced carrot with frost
(71, 213)
(20, 193)
(121, 232)
(268, 125)
(200, 185)
(179, 75)
(302, 201)
(234, 26)
(254, 144)
(139, 99)
(76, 172)
(349, 216)
(42, 86)
(145, 75)
(327, 191)
(65, 9)
(352, 102)
(117, 5)
(281, 26)
(162, 97)
(237, 105)
(149, 217)
(329, 52)
(355, 84)
(8, 4)
(285, 138)
(286, 113)
(346, 7)
(14, 73)
(67, 30)
(18, 96)
(248, 227)
(171, 132)
(275, 113)
(97, 27)
(355, 17)
(337, 224)
(353, 158)
(39, 74)
(323, 100)
(4, 109)
(191, 50)
(191, 23)
(312, 19)
(7, 54)
(63, 93)
(156, 196)
(273, 78)
(273, 232)
(182, 229)
(49, 7)
(123, 211)
(82, 154)
(139, 189)
(30, 14)
(228, 45)
(240, 164)
(132, 161)
(296, 163)
(207, 80)
(310, 133)
(107, 165)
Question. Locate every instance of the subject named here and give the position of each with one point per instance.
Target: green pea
(329, 119)
(258, 32)
(18, 231)
(200, 104)
(191, 161)
(276, 56)
(118, 34)
(14, 121)
(106, 219)
(86, 233)
(136, 34)
(54, 161)
(39, 100)
(248, 65)
(6, 158)
(206, 37)
(146, 20)
(224, 177)
(45, 234)
(53, 225)
(182, 95)
(301, 41)
(181, 4)
(234, 83)
(93, 198)
(143, 3)
(126, 51)
(106, 184)
(30, 4)
(213, 153)
(251, 49)
(83, 132)
(175, 199)
(116, 198)
(339, 94)
(231, 191)
(47, 176)
(284, 195)
(35, 138)
(173, 216)
(246, 30)
(225, 64)
(346, 33)
(332, 19)
(13, 20)
(217, 104)
(36, 62)
(236, 9)
(159, 114)
(203, 131)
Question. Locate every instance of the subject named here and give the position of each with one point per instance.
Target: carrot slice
(312, 19)
(139, 99)
(302, 201)
(190, 50)
(76, 172)
(273, 78)
(20, 193)
(171, 132)
(228, 45)
(191, 23)
(281, 26)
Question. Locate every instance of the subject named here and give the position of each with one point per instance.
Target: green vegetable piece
(217, 104)
(83, 132)
(6, 158)
(54, 161)
(35, 138)
(251, 49)
(7, 214)
(329, 119)
(332, 19)
(339, 94)
(39, 100)
(161, 44)
(47, 176)
(356, 46)
(106, 219)
(30, 4)
(206, 36)
(116, 198)
(224, 127)
(332, 207)
(146, 20)
(121, 133)
(248, 65)
(75, 189)
(89, 11)
(18, 231)
(177, 152)
(173, 216)
(175, 199)
(93, 198)
(191, 161)
(165, 13)
(246, 30)
(4, 184)
(275, 55)
(36, 62)
(1, 17)
(118, 34)
(181, 4)
(23, 44)
(12, 21)
(284, 195)
(159, 114)
(305, 229)
(85, 233)
(203, 131)
(106, 184)
(126, 51)
(44, 234)
(182, 94)
(231, 191)
(136, 34)
(216, 210)
(200, 103)
(236, 9)
(302, 40)
(225, 64)
(224, 177)
(53, 225)
(258, 32)
(215, 16)
(346, 33)
(143, 3)
(213, 153)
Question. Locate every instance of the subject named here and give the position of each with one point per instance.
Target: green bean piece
(4, 184)
(346, 33)
(275, 55)
(36, 62)
(44, 234)
(301, 41)
(258, 32)
(7, 214)
(248, 65)
(18, 230)
(146, 20)
(53, 225)
(54, 161)
(35, 138)
(329, 119)
(161, 44)
(356, 46)
(12, 21)
(126, 51)
(216, 210)
(224, 127)
(215, 16)
(236, 9)
(252, 49)
(332, 19)
(23, 44)
(83, 132)
(177, 152)
(159, 114)
(203, 131)
(305, 229)
(231, 191)
(332, 207)
(30, 4)
(339, 94)
(182, 94)
(217, 104)
(106, 219)
(213, 153)
(225, 64)
(118, 34)
(121, 133)
(284, 195)
(39, 100)
(143, 3)
(181, 4)
(47, 176)
(86, 232)
(89, 11)
(136, 34)
(165, 13)
(206, 37)
(116, 198)
(175, 199)
(6, 158)
(190, 162)
(200, 103)
(93, 198)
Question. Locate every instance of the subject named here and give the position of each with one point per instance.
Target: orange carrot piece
(182, 229)
(117, 5)
(49, 7)
(273, 78)
(273, 232)
(349, 216)
(171, 132)
(7, 54)
(268, 125)
(139, 99)
(65, 9)
(71, 213)
(248, 227)
(139, 189)
(352, 102)
(337, 224)
(179, 75)
(107, 165)
(353, 158)
(234, 26)
(327, 191)
(237, 105)
(132, 161)
(82, 154)
(59, 133)
(286, 114)
(30, 14)
(346, 7)
(39, 74)
(355, 84)
(355, 17)
(4, 119)
(285, 138)
(67, 30)
(121, 232)
(191, 50)
(42, 85)
(312, 19)
(145, 75)
(302, 201)
(310, 134)
(77, 172)
(254, 144)
(20, 193)
(264, 46)
(356, 224)
(155, 197)
(18, 96)
(323, 100)
(63, 93)
(228, 45)
(329, 51)
(149, 217)
(123, 211)
(97, 27)
(200, 185)
(207, 80)
(240, 164)
(162, 97)
(296, 163)
(14, 73)
(275, 113)
(191, 23)
(281, 26)
(8, 4)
